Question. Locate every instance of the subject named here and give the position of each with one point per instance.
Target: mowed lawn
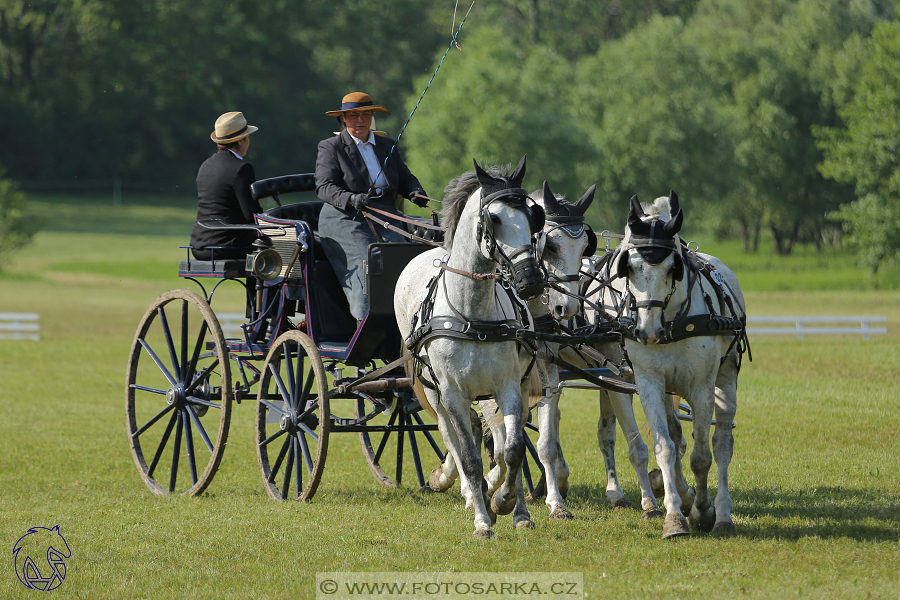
(814, 479)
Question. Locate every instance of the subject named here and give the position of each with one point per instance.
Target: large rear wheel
(178, 394)
(293, 418)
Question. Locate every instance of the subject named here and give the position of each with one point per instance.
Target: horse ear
(673, 203)
(622, 264)
(673, 225)
(551, 204)
(582, 205)
(482, 175)
(635, 224)
(519, 174)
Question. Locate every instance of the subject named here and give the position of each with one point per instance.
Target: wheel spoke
(399, 470)
(189, 446)
(310, 379)
(273, 437)
(201, 337)
(286, 484)
(184, 337)
(289, 369)
(307, 457)
(169, 341)
(437, 449)
(196, 400)
(200, 429)
(159, 363)
(176, 450)
(280, 384)
(298, 469)
(414, 446)
(152, 421)
(144, 388)
(162, 445)
(273, 407)
(384, 438)
(312, 407)
(203, 376)
(277, 465)
(308, 431)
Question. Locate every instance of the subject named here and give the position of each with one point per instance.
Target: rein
(370, 217)
(470, 274)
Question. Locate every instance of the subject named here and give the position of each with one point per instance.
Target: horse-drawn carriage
(301, 349)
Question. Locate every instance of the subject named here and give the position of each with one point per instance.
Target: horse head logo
(39, 557)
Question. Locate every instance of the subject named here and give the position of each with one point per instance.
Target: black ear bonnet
(507, 189)
(569, 217)
(654, 240)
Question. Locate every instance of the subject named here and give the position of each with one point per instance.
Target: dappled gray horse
(463, 334)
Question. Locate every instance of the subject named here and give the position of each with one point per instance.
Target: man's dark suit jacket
(341, 170)
(223, 192)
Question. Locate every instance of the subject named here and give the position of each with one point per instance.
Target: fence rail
(231, 324)
(816, 325)
(20, 326)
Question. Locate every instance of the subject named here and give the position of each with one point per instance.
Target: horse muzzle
(528, 278)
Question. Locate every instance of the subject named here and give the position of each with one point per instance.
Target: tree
(495, 101)
(865, 152)
(16, 229)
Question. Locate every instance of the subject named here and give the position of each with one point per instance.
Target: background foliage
(776, 116)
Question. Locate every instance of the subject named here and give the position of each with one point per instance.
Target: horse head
(650, 261)
(508, 218)
(560, 246)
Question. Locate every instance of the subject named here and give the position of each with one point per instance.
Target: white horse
(463, 333)
(561, 245)
(686, 338)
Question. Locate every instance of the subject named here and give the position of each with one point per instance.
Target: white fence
(231, 324)
(800, 326)
(20, 326)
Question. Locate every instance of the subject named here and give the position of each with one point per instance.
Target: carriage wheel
(293, 418)
(384, 449)
(179, 382)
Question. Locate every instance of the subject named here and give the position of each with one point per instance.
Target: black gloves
(419, 197)
(359, 200)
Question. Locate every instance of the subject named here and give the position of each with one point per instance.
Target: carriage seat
(302, 211)
(219, 268)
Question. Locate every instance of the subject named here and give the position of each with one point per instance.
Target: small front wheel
(293, 418)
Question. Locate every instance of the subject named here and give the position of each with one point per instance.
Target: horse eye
(495, 218)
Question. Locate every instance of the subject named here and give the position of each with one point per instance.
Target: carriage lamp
(264, 263)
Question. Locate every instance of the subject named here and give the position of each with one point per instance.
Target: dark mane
(457, 192)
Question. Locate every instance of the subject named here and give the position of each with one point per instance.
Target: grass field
(814, 478)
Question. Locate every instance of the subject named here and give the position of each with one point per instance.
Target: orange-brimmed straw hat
(357, 101)
(231, 127)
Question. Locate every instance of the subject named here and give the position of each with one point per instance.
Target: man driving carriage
(357, 169)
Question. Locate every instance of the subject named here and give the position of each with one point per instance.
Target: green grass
(814, 477)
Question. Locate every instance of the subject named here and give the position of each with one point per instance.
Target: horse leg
(521, 516)
(453, 417)
(512, 407)
(676, 432)
(723, 441)
(652, 398)
(550, 453)
(606, 439)
(702, 513)
(638, 453)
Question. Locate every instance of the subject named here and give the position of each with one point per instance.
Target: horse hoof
(525, 524)
(434, 481)
(483, 533)
(504, 509)
(703, 520)
(656, 483)
(561, 513)
(652, 513)
(675, 526)
(622, 503)
(723, 527)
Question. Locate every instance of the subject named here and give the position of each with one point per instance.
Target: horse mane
(458, 192)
